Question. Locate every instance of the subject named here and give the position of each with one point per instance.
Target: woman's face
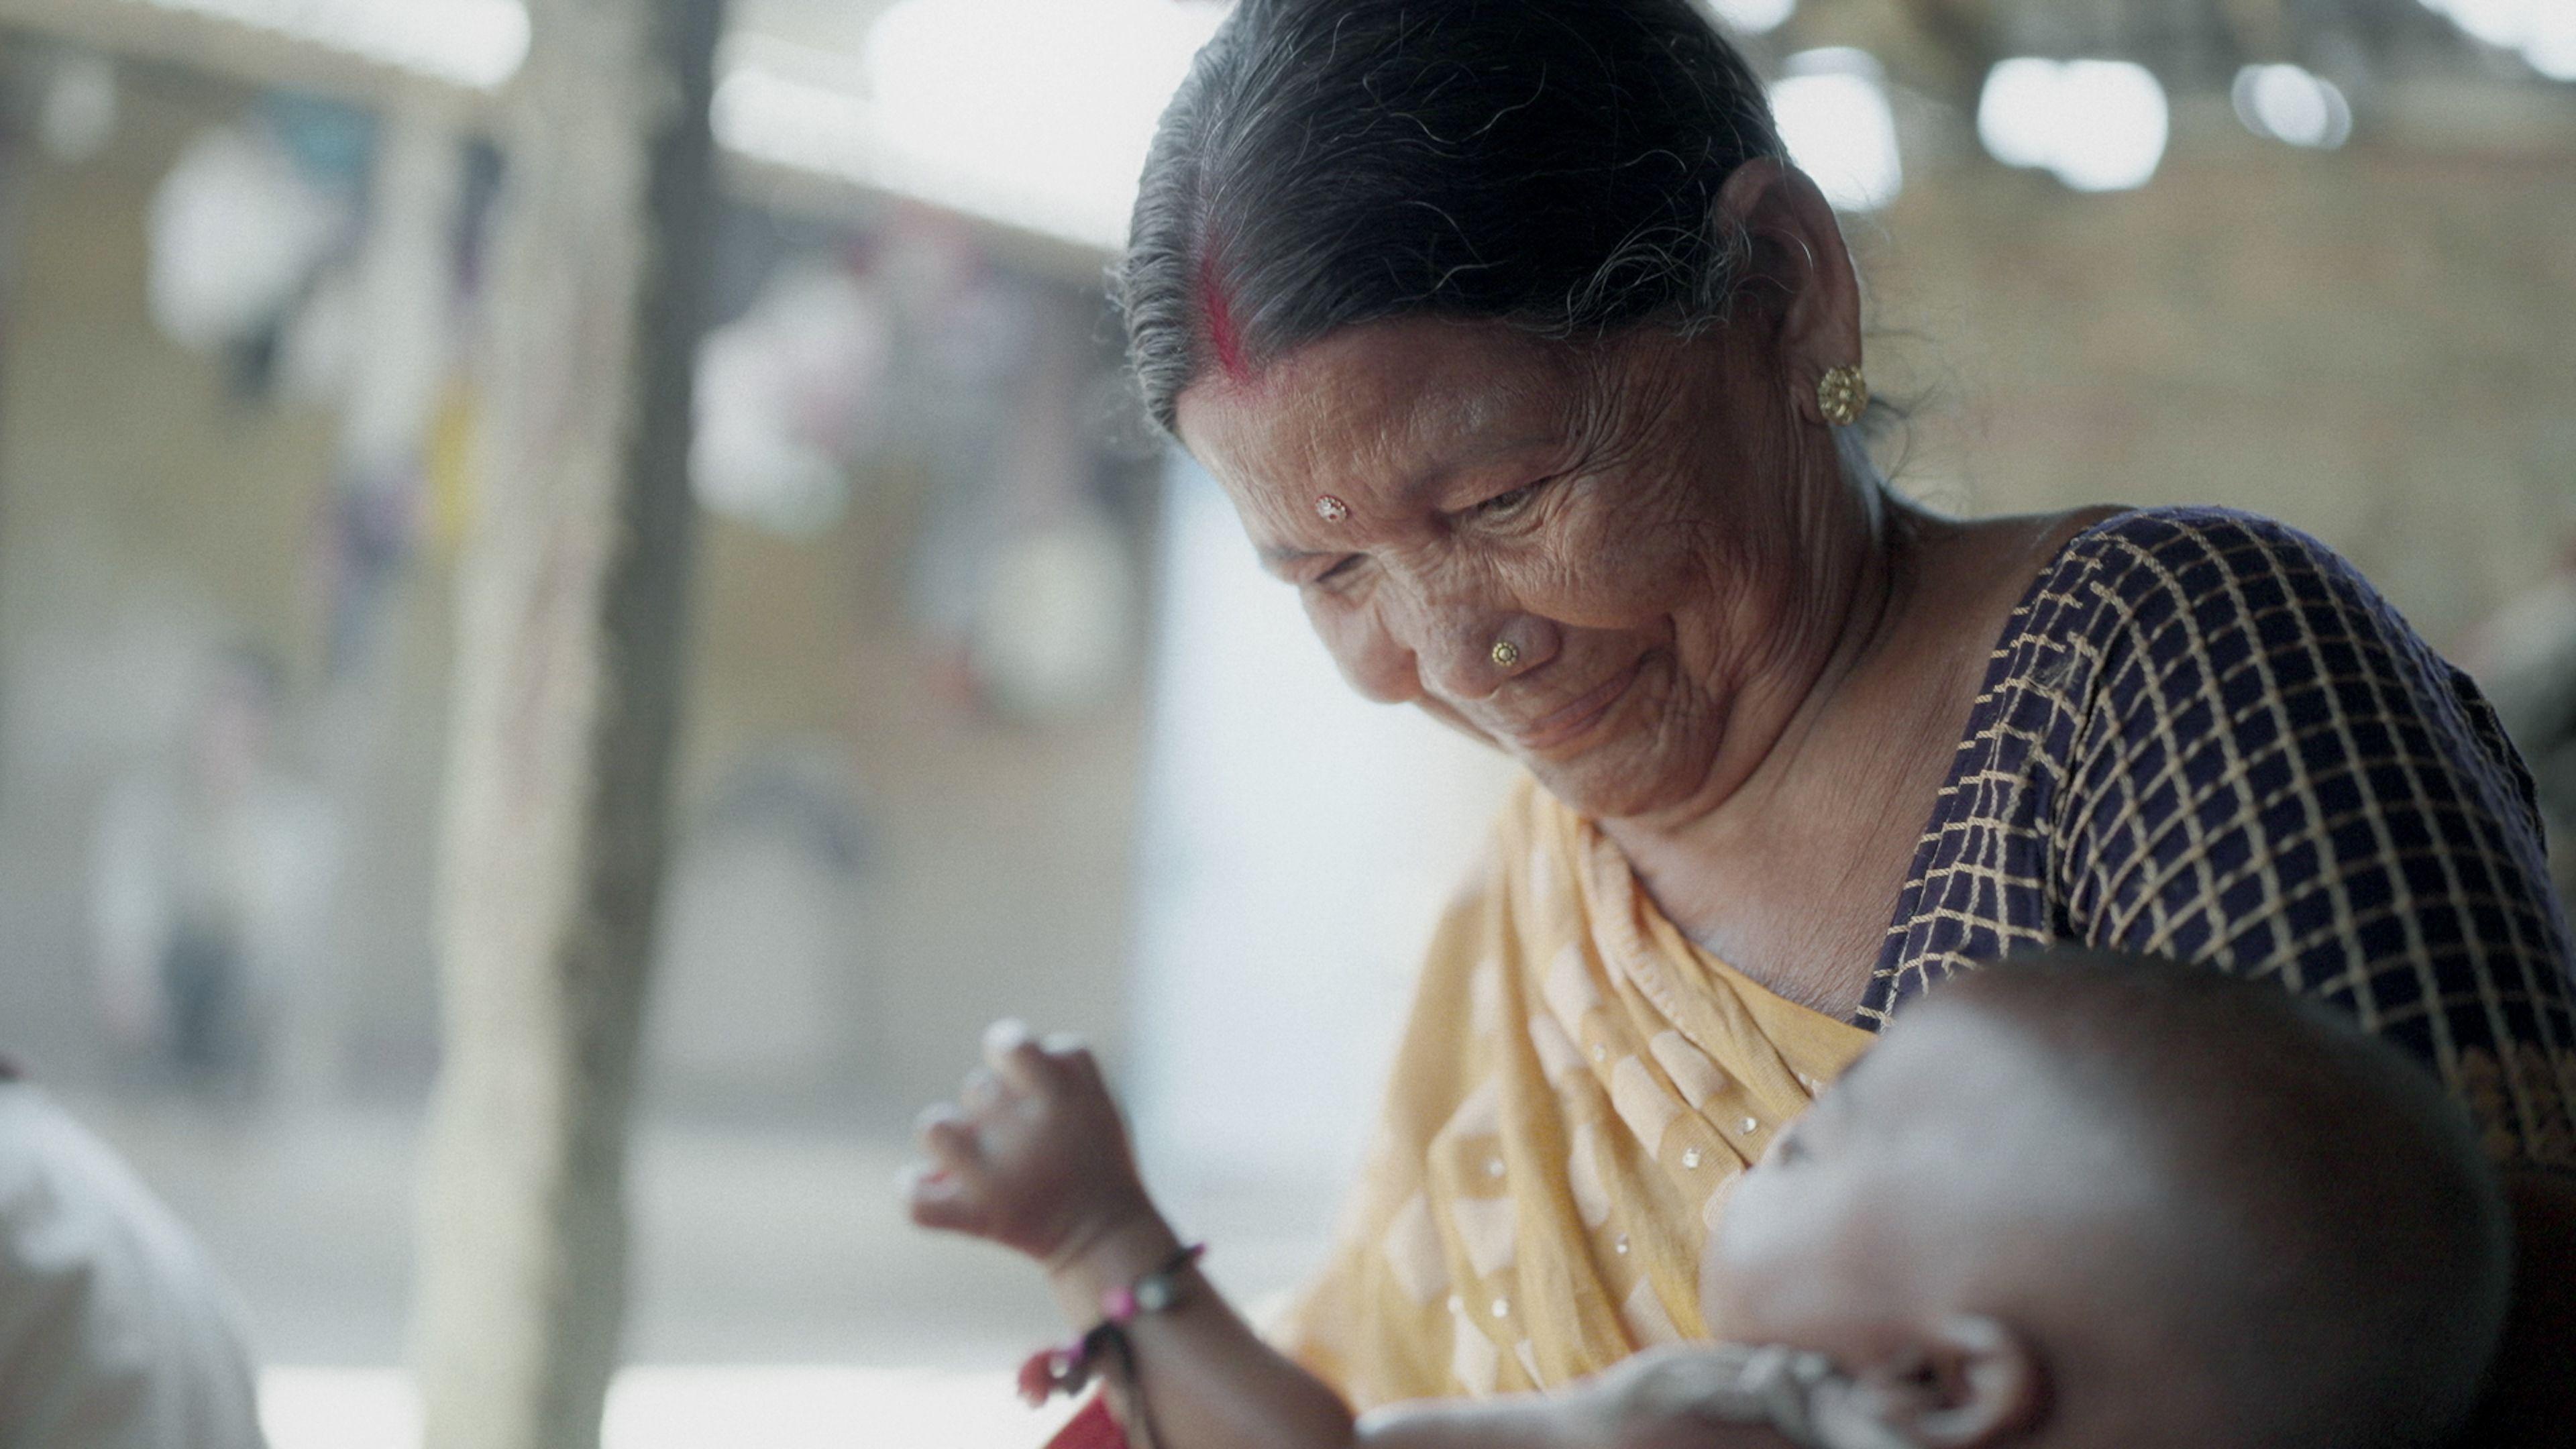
(1640, 522)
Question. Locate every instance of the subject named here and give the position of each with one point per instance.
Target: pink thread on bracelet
(1152, 1293)
(1065, 1369)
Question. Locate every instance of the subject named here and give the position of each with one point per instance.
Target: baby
(2074, 1201)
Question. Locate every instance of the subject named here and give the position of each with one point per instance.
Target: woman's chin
(1648, 753)
(1612, 782)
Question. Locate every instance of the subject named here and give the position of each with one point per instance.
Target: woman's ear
(1963, 1382)
(1799, 271)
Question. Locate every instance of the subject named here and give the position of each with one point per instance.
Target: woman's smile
(1570, 722)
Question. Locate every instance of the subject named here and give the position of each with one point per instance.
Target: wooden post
(570, 596)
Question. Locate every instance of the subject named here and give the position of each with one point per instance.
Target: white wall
(1297, 844)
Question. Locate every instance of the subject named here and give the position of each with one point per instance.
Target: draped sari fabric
(1577, 1090)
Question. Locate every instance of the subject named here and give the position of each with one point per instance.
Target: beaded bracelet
(1066, 1368)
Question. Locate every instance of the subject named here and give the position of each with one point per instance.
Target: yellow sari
(1577, 1090)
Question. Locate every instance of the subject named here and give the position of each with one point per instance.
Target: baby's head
(2088, 1200)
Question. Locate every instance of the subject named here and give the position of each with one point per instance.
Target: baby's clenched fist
(1032, 1155)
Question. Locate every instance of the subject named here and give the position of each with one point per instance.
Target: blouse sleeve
(2273, 774)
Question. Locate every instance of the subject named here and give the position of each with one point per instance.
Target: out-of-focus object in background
(2096, 125)
(210, 874)
(788, 395)
(1753, 17)
(762, 927)
(2525, 658)
(1059, 619)
(238, 229)
(2543, 32)
(474, 43)
(1831, 107)
(1025, 587)
(76, 114)
(2292, 104)
(115, 1333)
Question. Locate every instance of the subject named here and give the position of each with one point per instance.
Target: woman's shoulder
(2216, 560)
(2219, 587)
(2204, 641)
(2177, 644)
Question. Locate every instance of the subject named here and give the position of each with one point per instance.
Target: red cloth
(1092, 1428)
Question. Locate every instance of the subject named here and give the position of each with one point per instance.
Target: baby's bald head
(2219, 1215)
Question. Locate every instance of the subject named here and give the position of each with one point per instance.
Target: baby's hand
(1032, 1156)
(1659, 1399)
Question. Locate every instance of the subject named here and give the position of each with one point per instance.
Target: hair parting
(1550, 164)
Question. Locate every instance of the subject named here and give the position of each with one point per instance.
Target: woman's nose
(1471, 656)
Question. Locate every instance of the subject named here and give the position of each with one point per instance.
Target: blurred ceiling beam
(271, 59)
(248, 54)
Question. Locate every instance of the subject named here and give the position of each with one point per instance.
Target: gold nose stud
(1506, 653)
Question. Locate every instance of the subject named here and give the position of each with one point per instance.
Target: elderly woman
(1536, 369)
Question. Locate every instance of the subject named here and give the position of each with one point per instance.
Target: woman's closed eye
(1503, 507)
(1341, 570)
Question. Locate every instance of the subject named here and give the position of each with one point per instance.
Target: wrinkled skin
(1616, 513)
(1731, 646)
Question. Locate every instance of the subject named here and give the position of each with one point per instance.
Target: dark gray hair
(1552, 164)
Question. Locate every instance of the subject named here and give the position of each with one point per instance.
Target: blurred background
(989, 712)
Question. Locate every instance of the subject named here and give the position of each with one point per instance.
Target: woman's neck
(1867, 546)
(1886, 574)
(1791, 875)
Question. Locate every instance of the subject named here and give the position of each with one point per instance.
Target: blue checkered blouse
(2205, 735)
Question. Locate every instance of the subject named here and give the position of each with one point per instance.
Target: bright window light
(2097, 125)
(2497, 22)
(2551, 48)
(1754, 17)
(473, 43)
(775, 1407)
(2289, 104)
(787, 120)
(2015, 110)
(2544, 31)
(1036, 113)
(1036, 110)
(791, 1407)
(344, 1408)
(1833, 115)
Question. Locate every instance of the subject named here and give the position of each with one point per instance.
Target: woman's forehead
(1377, 407)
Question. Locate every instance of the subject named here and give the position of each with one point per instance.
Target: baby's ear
(1960, 1382)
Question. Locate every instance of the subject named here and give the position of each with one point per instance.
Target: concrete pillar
(570, 597)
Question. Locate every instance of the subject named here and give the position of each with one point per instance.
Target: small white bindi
(1331, 509)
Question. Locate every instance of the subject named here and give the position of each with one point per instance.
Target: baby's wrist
(1106, 1256)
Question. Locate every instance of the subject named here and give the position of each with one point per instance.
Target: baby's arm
(1034, 1157)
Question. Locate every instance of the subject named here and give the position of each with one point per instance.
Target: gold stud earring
(1842, 394)
(1506, 653)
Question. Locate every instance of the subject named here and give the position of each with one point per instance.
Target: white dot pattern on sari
(1581, 1087)
(1690, 1069)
